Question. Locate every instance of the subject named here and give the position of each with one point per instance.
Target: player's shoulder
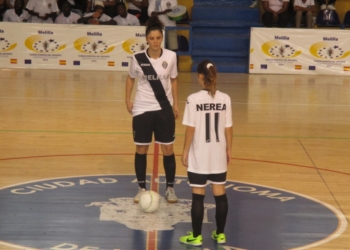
(169, 53)
(222, 95)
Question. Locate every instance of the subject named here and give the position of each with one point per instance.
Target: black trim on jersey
(207, 127)
(156, 85)
(161, 53)
(217, 126)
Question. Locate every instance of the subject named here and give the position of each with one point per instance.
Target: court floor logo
(98, 212)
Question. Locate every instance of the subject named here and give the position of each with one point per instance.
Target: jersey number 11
(207, 126)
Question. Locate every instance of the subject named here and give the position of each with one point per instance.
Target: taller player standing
(155, 105)
(207, 151)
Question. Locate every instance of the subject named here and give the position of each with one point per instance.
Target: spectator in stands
(330, 4)
(139, 9)
(42, 11)
(18, 14)
(276, 12)
(124, 18)
(97, 17)
(67, 16)
(75, 6)
(160, 8)
(304, 8)
(109, 6)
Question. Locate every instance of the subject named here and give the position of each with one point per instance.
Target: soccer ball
(149, 201)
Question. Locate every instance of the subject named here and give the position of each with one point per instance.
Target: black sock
(170, 169)
(140, 169)
(197, 213)
(221, 212)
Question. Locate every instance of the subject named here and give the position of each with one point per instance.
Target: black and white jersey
(154, 90)
(209, 116)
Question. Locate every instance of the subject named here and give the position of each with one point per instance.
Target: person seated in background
(330, 4)
(2, 8)
(276, 12)
(75, 6)
(67, 16)
(109, 7)
(139, 8)
(42, 11)
(18, 14)
(97, 17)
(124, 18)
(304, 8)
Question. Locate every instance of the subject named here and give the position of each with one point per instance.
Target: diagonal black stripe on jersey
(156, 85)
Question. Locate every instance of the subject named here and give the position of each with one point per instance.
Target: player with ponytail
(207, 151)
(155, 106)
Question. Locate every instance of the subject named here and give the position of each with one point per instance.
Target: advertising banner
(78, 47)
(299, 51)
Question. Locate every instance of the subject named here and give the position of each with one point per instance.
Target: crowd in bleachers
(107, 12)
(296, 13)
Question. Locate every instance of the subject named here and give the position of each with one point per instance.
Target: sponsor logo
(330, 39)
(93, 33)
(276, 49)
(140, 34)
(134, 45)
(328, 51)
(45, 32)
(145, 64)
(5, 44)
(88, 45)
(281, 38)
(39, 44)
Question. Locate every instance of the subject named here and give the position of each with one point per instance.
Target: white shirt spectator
(129, 20)
(304, 5)
(276, 5)
(42, 7)
(71, 19)
(11, 16)
(103, 18)
(133, 6)
(161, 5)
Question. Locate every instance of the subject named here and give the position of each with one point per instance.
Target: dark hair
(153, 23)
(120, 4)
(208, 70)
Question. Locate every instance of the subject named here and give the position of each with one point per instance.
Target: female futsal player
(207, 151)
(155, 105)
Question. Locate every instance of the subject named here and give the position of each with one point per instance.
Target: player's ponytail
(208, 70)
(153, 23)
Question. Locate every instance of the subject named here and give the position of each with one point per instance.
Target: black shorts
(201, 180)
(160, 122)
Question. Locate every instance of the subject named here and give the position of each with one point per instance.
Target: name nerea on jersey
(211, 106)
(155, 77)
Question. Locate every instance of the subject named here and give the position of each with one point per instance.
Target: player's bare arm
(128, 89)
(228, 137)
(188, 140)
(174, 93)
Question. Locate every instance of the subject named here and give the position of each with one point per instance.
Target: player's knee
(142, 149)
(167, 149)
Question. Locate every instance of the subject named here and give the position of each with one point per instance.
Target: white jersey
(71, 19)
(159, 6)
(210, 116)
(11, 16)
(42, 7)
(154, 89)
(128, 20)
